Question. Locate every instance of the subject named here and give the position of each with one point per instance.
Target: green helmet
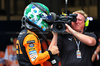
(36, 13)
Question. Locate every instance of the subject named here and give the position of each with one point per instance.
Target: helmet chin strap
(29, 26)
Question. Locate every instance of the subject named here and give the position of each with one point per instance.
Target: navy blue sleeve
(91, 35)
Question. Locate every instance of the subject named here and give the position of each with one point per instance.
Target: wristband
(95, 52)
(50, 53)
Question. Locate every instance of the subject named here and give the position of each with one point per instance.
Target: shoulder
(30, 38)
(91, 34)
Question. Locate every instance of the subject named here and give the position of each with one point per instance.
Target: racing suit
(28, 49)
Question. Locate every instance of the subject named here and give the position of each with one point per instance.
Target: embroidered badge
(31, 45)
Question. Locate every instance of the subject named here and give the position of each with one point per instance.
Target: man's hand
(68, 29)
(54, 50)
(95, 55)
(54, 34)
(54, 59)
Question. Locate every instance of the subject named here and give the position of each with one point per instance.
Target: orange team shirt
(34, 50)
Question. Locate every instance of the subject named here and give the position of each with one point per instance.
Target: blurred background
(11, 12)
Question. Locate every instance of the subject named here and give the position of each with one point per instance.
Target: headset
(86, 24)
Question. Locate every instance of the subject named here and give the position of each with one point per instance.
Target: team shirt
(29, 49)
(68, 51)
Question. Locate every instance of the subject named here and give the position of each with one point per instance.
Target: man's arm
(53, 42)
(54, 39)
(33, 50)
(95, 54)
(83, 38)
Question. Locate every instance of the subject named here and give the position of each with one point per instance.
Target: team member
(10, 53)
(28, 43)
(75, 47)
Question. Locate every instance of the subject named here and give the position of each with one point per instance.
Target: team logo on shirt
(32, 52)
(70, 39)
(34, 58)
(31, 45)
(21, 33)
(31, 42)
(33, 55)
(31, 49)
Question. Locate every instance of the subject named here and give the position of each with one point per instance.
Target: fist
(54, 50)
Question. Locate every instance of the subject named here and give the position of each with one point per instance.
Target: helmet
(35, 15)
